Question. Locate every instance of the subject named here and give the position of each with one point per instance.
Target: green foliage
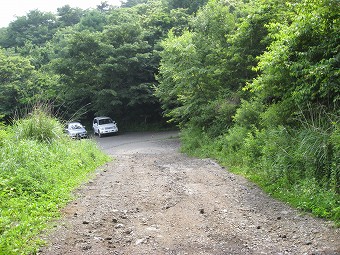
(297, 166)
(36, 27)
(277, 114)
(3, 134)
(248, 114)
(77, 65)
(252, 83)
(190, 6)
(69, 16)
(192, 75)
(16, 75)
(191, 145)
(37, 178)
(101, 61)
(110, 70)
(300, 63)
(131, 3)
(334, 143)
(38, 125)
(93, 20)
(21, 84)
(272, 57)
(251, 37)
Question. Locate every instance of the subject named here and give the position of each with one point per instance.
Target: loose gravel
(152, 199)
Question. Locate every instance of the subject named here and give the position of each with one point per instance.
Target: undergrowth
(298, 166)
(39, 169)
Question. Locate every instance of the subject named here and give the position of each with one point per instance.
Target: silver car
(76, 130)
(104, 125)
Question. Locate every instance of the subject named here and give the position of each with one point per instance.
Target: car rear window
(105, 121)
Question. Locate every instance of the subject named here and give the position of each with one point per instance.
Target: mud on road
(154, 200)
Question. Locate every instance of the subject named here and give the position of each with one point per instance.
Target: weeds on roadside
(39, 168)
(298, 165)
(38, 125)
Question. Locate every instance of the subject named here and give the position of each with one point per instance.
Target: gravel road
(154, 200)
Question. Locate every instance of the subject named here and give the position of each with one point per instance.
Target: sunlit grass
(38, 172)
(279, 164)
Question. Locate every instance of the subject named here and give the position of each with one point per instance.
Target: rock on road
(154, 200)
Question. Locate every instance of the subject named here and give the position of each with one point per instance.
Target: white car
(104, 125)
(76, 130)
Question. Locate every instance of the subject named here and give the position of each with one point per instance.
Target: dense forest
(251, 83)
(99, 61)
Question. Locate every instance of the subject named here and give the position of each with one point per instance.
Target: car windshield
(75, 126)
(105, 121)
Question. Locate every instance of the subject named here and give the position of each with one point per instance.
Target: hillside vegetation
(256, 86)
(39, 169)
(252, 83)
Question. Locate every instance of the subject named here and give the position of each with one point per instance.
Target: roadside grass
(276, 164)
(39, 169)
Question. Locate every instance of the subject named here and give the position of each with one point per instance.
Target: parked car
(104, 125)
(76, 130)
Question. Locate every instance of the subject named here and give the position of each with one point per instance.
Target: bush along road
(154, 200)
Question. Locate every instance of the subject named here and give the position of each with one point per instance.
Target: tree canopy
(103, 59)
(257, 80)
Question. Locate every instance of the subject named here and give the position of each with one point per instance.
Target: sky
(10, 9)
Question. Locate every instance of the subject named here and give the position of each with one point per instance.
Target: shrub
(3, 135)
(38, 171)
(298, 165)
(278, 114)
(248, 114)
(38, 125)
(193, 140)
(334, 141)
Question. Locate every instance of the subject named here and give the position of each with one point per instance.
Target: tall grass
(39, 168)
(298, 165)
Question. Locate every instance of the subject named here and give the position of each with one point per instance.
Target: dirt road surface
(154, 200)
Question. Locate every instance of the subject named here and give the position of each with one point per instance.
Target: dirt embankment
(154, 200)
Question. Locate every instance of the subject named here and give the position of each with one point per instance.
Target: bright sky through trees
(10, 9)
